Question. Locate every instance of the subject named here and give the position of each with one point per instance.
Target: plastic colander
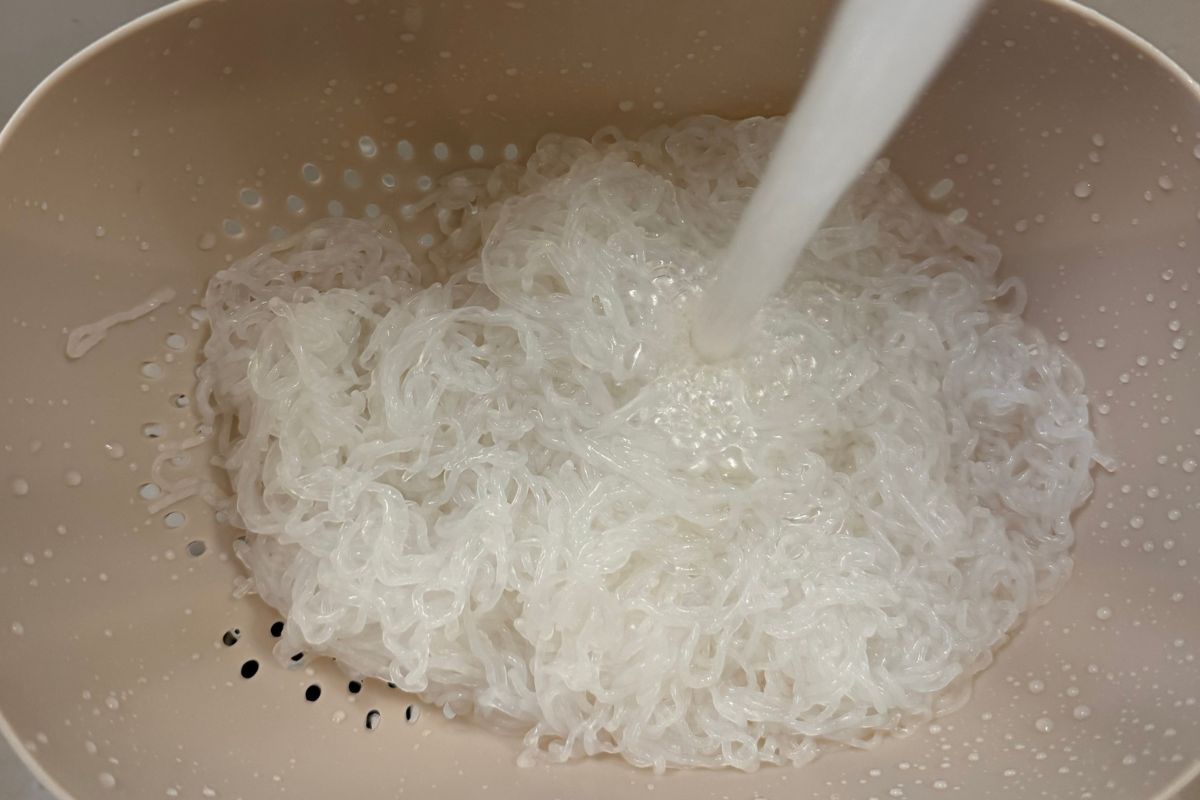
(195, 134)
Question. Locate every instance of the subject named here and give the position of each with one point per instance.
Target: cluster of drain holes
(312, 693)
(252, 200)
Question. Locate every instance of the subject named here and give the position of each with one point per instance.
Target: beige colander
(193, 135)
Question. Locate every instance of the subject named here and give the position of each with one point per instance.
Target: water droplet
(625, 105)
(1044, 725)
(1103, 613)
(1179, 344)
(1189, 465)
(73, 477)
(18, 629)
(1036, 687)
(19, 486)
(1081, 712)
(1098, 139)
(1165, 183)
(1083, 190)
(207, 241)
(107, 780)
(941, 189)
(367, 146)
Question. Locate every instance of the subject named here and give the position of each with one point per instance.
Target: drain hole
(312, 693)
(249, 669)
(149, 491)
(277, 628)
(311, 173)
(154, 430)
(373, 719)
(295, 204)
(296, 658)
(196, 549)
(231, 637)
(175, 519)
(355, 687)
(250, 198)
(411, 714)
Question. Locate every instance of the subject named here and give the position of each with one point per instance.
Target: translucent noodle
(505, 482)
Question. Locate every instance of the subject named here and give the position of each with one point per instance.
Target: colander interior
(127, 666)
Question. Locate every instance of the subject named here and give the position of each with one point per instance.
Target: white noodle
(518, 493)
(85, 337)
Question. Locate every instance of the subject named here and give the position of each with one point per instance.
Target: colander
(127, 666)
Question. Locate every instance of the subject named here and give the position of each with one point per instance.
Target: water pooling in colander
(504, 479)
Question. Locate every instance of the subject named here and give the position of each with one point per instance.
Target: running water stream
(876, 61)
